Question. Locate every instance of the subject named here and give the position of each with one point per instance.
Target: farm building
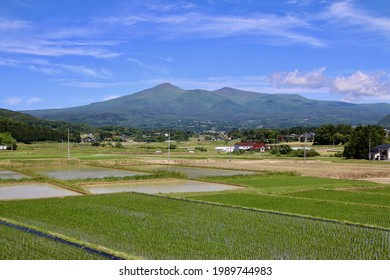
(3, 147)
(251, 146)
(224, 149)
(381, 152)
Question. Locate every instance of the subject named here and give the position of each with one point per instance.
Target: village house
(251, 146)
(381, 152)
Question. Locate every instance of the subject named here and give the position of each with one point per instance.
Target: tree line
(357, 141)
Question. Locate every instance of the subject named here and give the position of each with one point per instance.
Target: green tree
(281, 149)
(361, 138)
(332, 134)
(7, 139)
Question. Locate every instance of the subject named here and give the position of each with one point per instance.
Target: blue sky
(56, 54)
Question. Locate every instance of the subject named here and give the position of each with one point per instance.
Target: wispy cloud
(54, 48)
(268, 28)
(13, 101)
(86, 71)
(7, 24)
(149, 67)
(52, 69)
(89, 84)
(347, 14)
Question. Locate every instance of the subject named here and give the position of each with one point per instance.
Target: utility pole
(369, 147)
(68, 146)
(169, 146)
(304, 148)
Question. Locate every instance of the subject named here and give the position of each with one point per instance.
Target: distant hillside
(169, 106)
(385, 122)
(26, 128)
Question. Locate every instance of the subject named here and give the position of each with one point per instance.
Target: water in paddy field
(198, 172)
(85, 172)
(174, 186)
(33, 190)
(8, 174)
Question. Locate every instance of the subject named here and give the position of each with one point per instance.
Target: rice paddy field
(283, 213)
(26, 246)
(151, 227)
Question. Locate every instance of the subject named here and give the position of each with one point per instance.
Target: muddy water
(33, 190)
(85, 172)
(174, 186)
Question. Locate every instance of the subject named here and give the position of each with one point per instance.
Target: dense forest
(27, 129)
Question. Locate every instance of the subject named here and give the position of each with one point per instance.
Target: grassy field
(241, 224)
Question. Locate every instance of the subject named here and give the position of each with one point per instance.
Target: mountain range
(167, 105)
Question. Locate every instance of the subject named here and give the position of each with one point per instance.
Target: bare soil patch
(318, 168)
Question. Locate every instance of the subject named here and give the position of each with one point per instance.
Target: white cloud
(110, 97)
(361, 85)
(314, 79)
(12, 101)
(354, 87)
(33, 100)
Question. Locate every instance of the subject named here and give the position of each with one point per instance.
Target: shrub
(281, 149)
(201, 149)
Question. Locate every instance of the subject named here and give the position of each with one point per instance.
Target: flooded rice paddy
(9, 174)
(174, 186)
(86, 172)
(46, 190)
(198, 172)
(33, 190)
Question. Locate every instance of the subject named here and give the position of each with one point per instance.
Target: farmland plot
(352, 201)
(19, 245)
(377, 216)
(354, 196)
(155, 227)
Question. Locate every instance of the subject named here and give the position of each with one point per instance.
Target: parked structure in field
(381, 152)
(3, 147)
(251, 146)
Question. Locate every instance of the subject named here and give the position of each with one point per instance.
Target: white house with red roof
(251, 146)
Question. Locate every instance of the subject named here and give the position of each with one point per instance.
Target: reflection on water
(85, 172)
(159, 187)
(33, 190)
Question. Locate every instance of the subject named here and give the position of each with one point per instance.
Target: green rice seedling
(354, 196)
(18, 245)
(154, 227)
(377, 216)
